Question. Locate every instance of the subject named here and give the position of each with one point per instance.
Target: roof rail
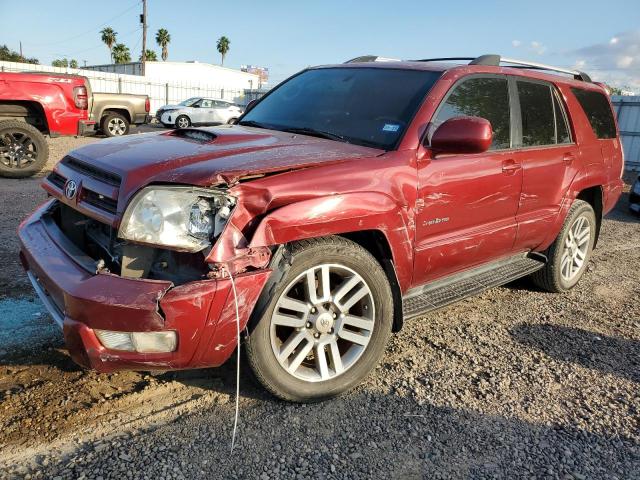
(495, 61)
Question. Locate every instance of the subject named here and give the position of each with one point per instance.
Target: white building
(192, 72)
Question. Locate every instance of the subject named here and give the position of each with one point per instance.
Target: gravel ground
(514, 383)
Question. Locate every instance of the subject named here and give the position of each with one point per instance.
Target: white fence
(160, 93)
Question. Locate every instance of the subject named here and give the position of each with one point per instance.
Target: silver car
(198, 111)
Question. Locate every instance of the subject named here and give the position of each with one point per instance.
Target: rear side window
(536, 108)
(598, 111)
(487, 98)
(562, 126)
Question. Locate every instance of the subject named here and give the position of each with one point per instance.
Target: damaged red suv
(349, 198)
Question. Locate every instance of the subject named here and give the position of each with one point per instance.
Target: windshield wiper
(315, 133)
(251, 123)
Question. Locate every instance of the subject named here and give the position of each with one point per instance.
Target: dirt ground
(514, 383)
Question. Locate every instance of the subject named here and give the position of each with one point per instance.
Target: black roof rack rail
(496, 60)
(371, 58)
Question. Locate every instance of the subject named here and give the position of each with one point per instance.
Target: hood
(212, 156)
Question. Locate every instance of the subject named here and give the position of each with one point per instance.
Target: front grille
(100, 201)
(95, 172)
(57, 179)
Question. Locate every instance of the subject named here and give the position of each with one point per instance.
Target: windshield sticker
(390, 127)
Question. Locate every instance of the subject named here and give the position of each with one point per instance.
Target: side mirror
(196, 106)
(462, 135)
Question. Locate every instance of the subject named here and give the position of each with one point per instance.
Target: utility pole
(143, 20)
(21, 48)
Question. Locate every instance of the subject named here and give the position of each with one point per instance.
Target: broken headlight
(181, 218)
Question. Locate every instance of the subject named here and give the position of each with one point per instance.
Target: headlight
(182, 218)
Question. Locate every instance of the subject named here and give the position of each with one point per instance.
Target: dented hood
(211, 156)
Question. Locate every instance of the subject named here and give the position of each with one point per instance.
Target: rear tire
(23, 149)
(315, 342)
(114, 125)
(570, 253)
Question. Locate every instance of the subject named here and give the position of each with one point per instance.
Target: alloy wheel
(17, 150)
(576, 247)
(183, 122)
(322, 322)
(117, 126)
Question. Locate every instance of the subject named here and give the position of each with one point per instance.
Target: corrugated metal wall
(628, 113)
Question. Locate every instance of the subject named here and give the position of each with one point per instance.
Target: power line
(92, 30)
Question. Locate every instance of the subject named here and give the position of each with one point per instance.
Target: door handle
(510, 166)
(568, 157)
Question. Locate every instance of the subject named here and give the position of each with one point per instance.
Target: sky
(601, 38)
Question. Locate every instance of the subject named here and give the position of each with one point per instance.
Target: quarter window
(598, 111)
(487, 98)
(536, 109)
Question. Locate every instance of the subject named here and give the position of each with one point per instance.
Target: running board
(449, 290)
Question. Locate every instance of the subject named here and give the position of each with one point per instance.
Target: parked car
(114, 113)
(33, 105)
(198, 111)
(634, 196)
(348, 199)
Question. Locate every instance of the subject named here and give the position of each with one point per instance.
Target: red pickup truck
(33, 105)
(36, 104)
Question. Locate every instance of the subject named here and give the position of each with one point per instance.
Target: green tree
(73, 63)
(121, 53)
(223, 46)
(8, 55)
(60, 63)
(163, 39)
(151, 56)
(109, 37)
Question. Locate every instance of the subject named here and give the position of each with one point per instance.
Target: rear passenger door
(547, 152)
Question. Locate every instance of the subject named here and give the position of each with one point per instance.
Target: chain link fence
(160, 93)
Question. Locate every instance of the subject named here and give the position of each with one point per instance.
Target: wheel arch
(31, 111)
(594, 197)
(116, 109)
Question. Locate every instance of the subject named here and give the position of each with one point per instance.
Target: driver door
(467, 203)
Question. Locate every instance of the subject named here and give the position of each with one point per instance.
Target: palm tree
(109, 39)
(162, 39)
(121, 53)
(151, 56)
(223, 47)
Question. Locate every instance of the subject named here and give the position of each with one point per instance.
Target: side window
(206, 103)
(562, 127)
(598, 111)
(536, 109)
(481, 97)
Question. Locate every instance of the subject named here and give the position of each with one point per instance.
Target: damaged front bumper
(202, 312)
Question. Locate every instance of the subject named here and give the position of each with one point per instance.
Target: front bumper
(201, 312)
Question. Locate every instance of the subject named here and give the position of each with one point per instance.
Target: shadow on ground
(611, 355)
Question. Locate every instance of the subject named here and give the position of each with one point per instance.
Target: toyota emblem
(70, 189)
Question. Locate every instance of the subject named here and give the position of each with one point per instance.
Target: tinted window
(481, 97)
(596, 107)
(562, 127)
(366, 106)
(536, 109)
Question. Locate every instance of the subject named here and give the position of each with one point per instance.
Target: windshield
(189, 101)
(365, 106)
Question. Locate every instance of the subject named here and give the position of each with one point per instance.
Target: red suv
(349, 198)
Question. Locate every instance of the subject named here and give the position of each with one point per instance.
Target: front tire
(327, 322)
(569, 254)
(114, 125)
(183, 122)
(23, 149)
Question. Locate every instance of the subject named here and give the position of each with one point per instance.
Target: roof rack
(372, 58)
(495, 61)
